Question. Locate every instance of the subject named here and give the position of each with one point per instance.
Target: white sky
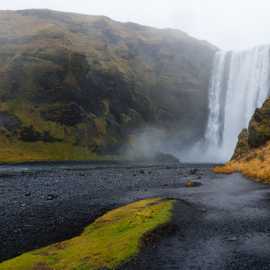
(229, 24)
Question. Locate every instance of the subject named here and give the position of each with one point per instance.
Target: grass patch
(255, 164)
(111, 240)
(15, 150)
(18, 151)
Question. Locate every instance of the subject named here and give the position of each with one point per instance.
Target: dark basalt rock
(66, 114)
(29, 134)
(9, 121)
(165, 158)
(159, 158)
(51, 197)
(193, 171)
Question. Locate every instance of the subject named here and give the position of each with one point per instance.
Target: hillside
(79, 87)
(252, 153)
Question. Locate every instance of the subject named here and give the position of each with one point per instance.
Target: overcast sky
(229, 24)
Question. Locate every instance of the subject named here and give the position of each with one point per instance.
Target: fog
(228, 24)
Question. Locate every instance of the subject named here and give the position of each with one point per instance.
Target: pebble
(232, 239)
(51, 197)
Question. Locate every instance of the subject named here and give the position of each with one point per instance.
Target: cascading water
(240, 84)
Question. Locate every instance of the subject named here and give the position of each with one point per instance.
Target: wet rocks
(232, 239)
(193, 171)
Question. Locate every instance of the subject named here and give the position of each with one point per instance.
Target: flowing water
(240, 84)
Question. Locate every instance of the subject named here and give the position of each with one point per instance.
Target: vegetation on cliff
(111, 240)
(252, 154)
(82, 84)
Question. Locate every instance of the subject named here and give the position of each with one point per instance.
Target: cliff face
(252, 154)
(75, 86)
(257, 134)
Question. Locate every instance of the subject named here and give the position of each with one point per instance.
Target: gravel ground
(222, 224)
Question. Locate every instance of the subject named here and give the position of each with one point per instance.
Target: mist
(228, 24)
(145, 144)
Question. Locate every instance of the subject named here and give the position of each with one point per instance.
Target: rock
(9, 121)
(257, 134)
(259, 126)
(51, 197)
(158, 157)
(28, 194)
(165, 158)
(193, 171)
(232, 239)
(29, 134)
(242, 145)
(67, 114)
(142, 172)
(190, 184)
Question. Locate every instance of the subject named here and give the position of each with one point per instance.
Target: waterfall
(239, 85)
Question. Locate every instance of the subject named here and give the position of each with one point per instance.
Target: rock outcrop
(252, 153)
(259, 127)
(258, 132)
(242, 146)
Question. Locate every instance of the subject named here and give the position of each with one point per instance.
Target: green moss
(111, 240)
(12, 149)
(18, 151)
(30, 115)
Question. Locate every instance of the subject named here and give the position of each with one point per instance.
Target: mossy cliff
(77, 87)
(252, 154)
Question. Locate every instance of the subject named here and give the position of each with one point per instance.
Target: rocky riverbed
(219, 222)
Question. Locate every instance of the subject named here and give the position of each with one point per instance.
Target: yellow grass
(255, 164)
